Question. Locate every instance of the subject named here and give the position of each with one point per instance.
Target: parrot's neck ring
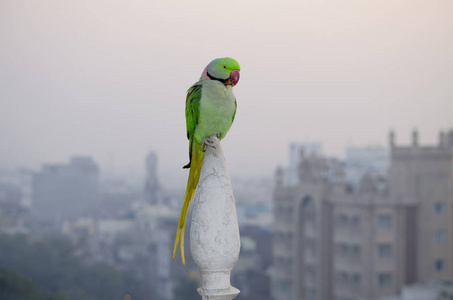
(224, 81)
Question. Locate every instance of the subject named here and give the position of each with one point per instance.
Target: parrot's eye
(224, 67)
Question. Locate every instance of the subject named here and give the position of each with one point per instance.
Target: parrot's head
(225, 70)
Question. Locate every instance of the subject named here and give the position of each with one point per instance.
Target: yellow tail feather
(192, 182)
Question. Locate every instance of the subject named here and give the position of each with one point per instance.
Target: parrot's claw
(207, 142)
(218, 135)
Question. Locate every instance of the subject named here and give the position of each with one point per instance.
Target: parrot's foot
(219, 135)
(207, 142)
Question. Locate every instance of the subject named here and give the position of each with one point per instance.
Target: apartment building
(339, 241)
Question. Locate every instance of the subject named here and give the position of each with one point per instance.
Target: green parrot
(210, 110)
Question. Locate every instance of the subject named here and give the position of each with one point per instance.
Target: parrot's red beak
(234, 77)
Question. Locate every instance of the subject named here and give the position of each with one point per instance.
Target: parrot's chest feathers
(217, 107)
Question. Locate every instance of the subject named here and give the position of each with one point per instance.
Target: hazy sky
(108, 78)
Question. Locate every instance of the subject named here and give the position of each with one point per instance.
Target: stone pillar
(214, 234)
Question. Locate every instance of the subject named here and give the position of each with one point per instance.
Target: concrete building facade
(64, 193)
(336, 242)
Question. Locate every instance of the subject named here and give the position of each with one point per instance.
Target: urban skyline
(131, 226)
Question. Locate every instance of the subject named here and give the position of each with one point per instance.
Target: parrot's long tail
(192, 182)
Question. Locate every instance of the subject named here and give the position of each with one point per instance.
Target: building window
(356, 279)
(288, 262)
(440, 236)
(280, 211)
(355, 222)
(311, 294)
(440, 207)
(285, 239)
(355, 251)
(385, 221)
(289, 214)
(284, 263)
(343, 220)
(311, 271)
(289, 240)
(344, 277)
(440, 265)
(349, 251)
(344, 249)
(310, 245)
(384, 279)
(286, 287)
(385, 250)
(309, 214)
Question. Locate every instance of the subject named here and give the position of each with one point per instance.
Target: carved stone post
(214, 234)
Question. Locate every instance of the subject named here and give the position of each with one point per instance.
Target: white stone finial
(214, 233)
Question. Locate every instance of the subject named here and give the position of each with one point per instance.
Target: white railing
(214, 234)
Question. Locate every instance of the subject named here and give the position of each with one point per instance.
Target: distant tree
(15, 287)
(54, 268)
(78, 294)
(49, 296)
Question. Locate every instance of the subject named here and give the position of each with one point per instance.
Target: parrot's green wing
(192, 114)
(235, 109)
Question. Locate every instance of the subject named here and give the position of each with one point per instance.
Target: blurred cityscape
(376, 225)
